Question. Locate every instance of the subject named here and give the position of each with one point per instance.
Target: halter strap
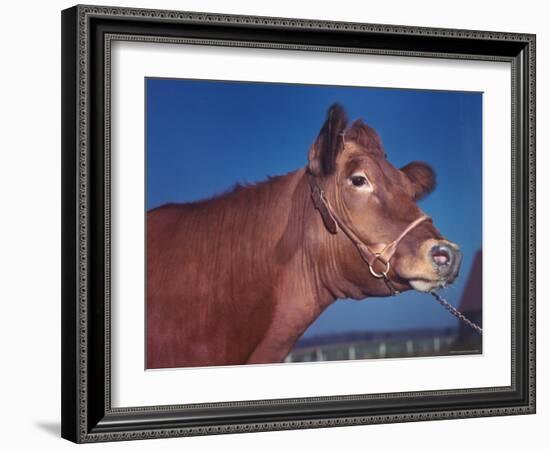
(383, 255)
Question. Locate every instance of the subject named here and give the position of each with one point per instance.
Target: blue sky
(205, 136)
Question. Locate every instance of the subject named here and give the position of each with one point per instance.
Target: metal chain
(456, 313)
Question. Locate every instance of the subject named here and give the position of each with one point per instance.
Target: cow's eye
(360, 181)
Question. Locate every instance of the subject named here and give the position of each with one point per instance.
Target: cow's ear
(422, 178)
(325, 149)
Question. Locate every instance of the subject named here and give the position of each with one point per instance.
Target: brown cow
(238, 278)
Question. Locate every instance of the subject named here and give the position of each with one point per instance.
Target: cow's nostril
(441, 255)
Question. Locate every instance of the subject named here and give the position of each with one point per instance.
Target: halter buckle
(384, 273)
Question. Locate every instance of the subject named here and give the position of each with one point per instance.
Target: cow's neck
(312, 277)
(298, 292)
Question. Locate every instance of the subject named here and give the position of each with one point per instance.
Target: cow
(237, 278)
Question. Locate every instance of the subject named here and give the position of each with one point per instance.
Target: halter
(380, 252)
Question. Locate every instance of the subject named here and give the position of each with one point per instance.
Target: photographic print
(303, 223)
(298, 209)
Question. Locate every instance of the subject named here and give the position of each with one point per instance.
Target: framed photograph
(276, 224)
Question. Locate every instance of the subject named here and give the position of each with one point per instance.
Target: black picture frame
(87, 415)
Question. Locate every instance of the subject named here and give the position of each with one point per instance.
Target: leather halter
(380, 252)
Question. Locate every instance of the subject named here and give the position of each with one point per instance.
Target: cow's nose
(446, 258)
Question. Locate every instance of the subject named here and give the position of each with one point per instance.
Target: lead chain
(456, 313)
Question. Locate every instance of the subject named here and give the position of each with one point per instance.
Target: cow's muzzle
(446, 258)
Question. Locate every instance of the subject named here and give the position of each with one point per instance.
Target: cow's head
(377, 202)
